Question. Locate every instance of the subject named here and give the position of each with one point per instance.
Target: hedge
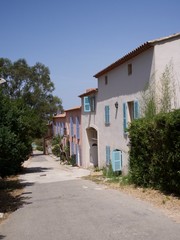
(155, 152)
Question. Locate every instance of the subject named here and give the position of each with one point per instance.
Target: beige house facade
(107, 110)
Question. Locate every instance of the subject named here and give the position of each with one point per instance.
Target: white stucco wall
(167, 53)
(123, 88)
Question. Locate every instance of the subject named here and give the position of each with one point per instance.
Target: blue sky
(78, 38)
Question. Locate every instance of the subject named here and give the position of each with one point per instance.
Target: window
(130, 69)
(107, 117)
(89, 104)
(106, 80)
(130, 112)
(117, 160)
(108, 154)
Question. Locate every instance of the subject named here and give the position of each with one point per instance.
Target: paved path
(58, 205)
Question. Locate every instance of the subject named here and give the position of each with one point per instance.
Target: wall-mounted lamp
(116, 105)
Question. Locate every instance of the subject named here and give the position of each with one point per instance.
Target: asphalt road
(59, 205)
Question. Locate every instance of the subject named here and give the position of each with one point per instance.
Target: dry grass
(169, 204)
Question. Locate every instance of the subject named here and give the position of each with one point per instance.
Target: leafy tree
(27, 102)
(33, 86)
(15, 136)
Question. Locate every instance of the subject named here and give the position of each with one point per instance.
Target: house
(68, 126)
(73, 124)
(107, 110)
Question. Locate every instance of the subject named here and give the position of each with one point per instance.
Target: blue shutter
(62, 129)
(87, 107)
(125, 116)
(107, 155)
(116, 160)
(107, 115)
(136, 109)
(71, 127)
(77, 128)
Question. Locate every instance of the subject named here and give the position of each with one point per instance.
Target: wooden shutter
(125, 116)
(136, 109)
(117, 160)
(87, 106)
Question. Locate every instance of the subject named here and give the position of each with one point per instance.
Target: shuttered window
(107, 117)
(108, 154)
(117, 160)
(87, 106)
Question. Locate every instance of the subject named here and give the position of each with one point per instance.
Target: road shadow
(2, 236)
(37, 154)
(11, 195)
(35, 170)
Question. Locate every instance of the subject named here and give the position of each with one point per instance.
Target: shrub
(154, 153)
(56, 150)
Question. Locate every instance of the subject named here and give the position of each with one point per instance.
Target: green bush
(56, 150)
(72, 160)
(154, 153)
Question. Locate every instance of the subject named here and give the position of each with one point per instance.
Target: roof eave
(124, 59)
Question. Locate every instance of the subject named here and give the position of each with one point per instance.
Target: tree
(15, 135)
(27, 102)
(33, 86)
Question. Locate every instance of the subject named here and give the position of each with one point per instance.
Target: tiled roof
(89, 92)
(71, 109)
(134, 53)
(60, 115)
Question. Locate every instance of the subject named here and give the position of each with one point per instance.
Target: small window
(106, 80)
(130, 69)
(130, 112)
(89, 104)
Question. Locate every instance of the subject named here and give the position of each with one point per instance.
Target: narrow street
(59, 205)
